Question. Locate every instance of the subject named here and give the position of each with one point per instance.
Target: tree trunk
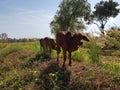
(102, 29)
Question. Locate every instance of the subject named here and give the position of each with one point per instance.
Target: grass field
(23, 66)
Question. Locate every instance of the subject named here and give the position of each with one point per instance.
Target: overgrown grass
(21, 69)
(81, 55)
(94, 51)
(17, 62)
(93, 54)
(89, 54)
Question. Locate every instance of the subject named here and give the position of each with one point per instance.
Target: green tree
(103, 11)
(70, 16)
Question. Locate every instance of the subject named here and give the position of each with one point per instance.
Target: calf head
(85, 38)
(80, 37)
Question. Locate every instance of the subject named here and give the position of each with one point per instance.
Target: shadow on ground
(54, 77)
(77, 77)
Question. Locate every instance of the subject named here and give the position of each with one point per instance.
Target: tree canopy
(103, 11)
(70, 16)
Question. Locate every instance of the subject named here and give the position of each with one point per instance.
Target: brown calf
(68, 43)
(47, 43)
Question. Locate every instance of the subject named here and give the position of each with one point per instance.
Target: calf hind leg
(58, 51)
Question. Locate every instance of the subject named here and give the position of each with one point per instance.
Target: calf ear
(85, 38)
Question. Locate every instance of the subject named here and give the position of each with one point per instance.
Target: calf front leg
(64, 57)
(70, 59)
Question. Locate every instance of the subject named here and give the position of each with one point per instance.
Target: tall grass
(81, 55)
(94, 51)
(89, 52)
(21, 71)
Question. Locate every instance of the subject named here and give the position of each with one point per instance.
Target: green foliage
(94, 51)
(70, 15)
(106, 9)
(81, 55)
